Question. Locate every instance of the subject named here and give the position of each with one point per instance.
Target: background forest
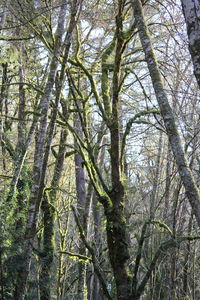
(99, 149)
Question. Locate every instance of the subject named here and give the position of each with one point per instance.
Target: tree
(92, 185)
(167, 114)
(191, 12)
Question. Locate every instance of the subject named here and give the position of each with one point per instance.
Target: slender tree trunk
(34, 202)
(46, 258)
(49, 201)
(191, 189)
(173, 222)
(186, 266)
(4, 14)
(81, 202)
(96, 288)
(20, 160)
(22, 99)
(191, 11)
(82, 266)
(3, 94)
(19, 186)
(3, 97)
(83, 193)
(167, 184)
(156, 178)
(151, 242)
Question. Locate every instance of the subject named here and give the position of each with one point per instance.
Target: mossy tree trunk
(112, 199)
(50, 196)
(191, 189)
(34, 201)
(116, 220)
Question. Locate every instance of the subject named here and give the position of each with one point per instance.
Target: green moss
(107, 61)
(123, 219)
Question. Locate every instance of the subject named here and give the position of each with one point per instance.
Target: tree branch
(91, 250)
(159, 253)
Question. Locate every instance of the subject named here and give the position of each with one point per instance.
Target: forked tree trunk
(191, 189)
(50, 197)
(116, 221)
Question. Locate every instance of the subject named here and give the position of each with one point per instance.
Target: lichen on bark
(191, 188)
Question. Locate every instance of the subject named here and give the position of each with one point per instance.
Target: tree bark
(191, 189)
(48, 201)
(34, 202)
(81, 201)
(191, 11)
(4, 14)
(116, 220)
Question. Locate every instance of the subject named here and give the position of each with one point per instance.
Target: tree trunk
(81, 202)
(3, 97)
(49, 201)
(97, 216)
(116, 220)
(191, 11)
(191, 189)
(34, 202)
(114, 200)
(4, 14)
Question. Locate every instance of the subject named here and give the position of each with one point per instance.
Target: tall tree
(120, 207)
(191, 11)
(167, 113)
(34, 202)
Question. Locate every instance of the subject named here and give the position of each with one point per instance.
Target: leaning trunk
(191, 11)
(191, 189)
